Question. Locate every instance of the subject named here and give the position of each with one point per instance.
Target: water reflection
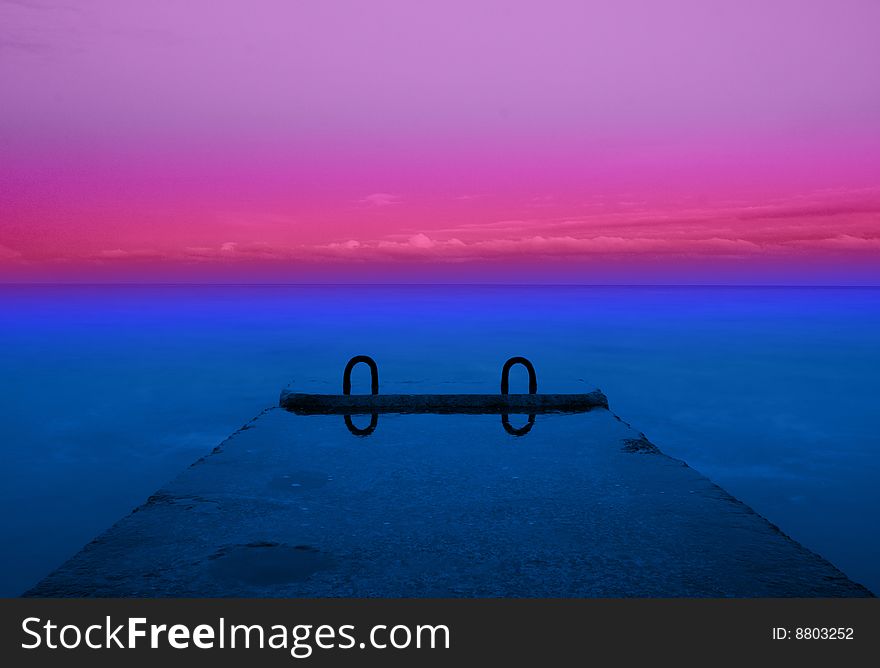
(362, 431)
(517, 431)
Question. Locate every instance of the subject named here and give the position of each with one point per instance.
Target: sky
(624, 141)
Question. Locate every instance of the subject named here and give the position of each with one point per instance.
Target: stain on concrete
(299, 481)
(186, 501)
(640, 445)
(267, 563)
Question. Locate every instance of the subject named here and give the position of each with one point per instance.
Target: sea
(109, 391)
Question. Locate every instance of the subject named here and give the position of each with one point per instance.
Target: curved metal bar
(517, 431)
(362, 431)
(374, 373)
(505, 374)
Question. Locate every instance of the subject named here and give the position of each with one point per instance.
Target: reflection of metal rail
(502, 404)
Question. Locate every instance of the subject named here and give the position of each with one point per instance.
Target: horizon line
(426, 284)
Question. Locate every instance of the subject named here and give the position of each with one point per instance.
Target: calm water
(107, 392)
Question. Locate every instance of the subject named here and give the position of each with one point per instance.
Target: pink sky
(631, 141)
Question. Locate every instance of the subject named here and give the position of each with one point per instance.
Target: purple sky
(550, 70)
(138, 129)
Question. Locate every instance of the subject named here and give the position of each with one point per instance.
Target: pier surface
(443, 506)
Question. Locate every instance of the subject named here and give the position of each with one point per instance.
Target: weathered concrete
(470, 404)
(439, 506)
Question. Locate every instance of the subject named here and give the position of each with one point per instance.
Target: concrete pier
(443, 506)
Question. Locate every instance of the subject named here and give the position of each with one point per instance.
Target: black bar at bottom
(488, 631)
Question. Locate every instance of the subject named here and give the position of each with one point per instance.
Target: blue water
(106, 392)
